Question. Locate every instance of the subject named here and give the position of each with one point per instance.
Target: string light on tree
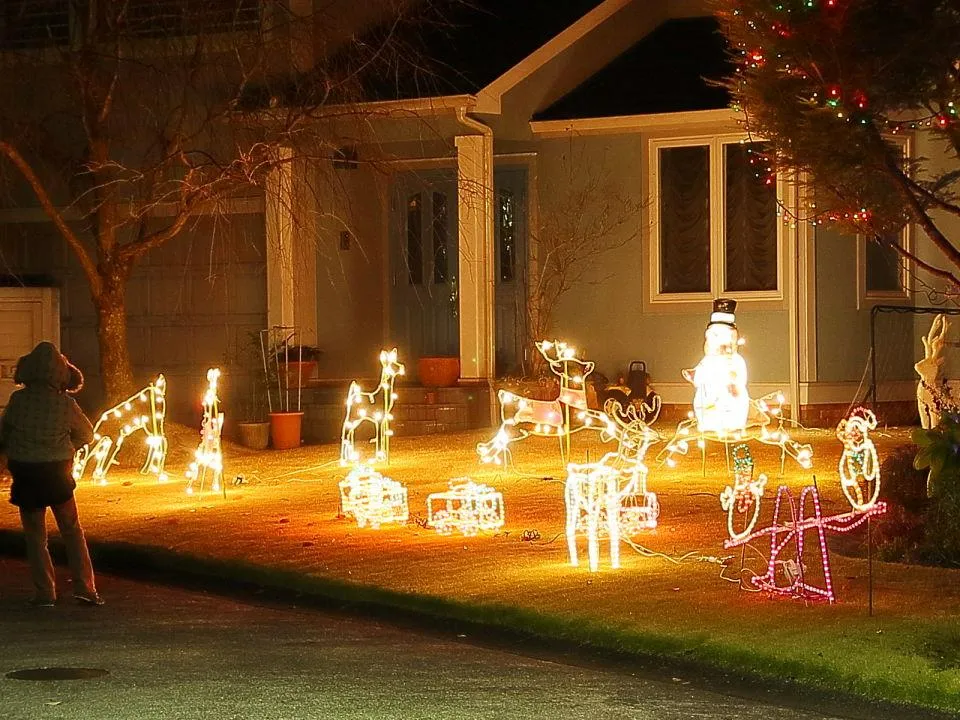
(467, 507)
(806, 81)
(143, 412)
(208, 457)
(375, 408)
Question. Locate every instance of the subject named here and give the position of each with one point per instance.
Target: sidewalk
(281, 529)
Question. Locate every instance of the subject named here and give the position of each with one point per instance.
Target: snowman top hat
(724, 313)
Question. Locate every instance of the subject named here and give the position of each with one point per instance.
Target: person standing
(41, 428)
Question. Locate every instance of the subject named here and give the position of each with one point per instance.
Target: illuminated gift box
(373, 499)
(467, 507)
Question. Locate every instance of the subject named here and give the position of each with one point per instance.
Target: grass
(281, 530)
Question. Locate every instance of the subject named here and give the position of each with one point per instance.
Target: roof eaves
(724, 118)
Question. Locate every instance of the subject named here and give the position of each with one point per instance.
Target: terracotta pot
(300, 373)
(285, 429)
(438, 370)
(254, 435)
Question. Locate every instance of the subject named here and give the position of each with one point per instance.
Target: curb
(498, 626)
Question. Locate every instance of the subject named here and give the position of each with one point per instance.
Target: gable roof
(667, 71)
(474, 44)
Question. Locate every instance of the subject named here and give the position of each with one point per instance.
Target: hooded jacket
(42, 422)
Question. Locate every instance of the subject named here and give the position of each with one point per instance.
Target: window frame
(869, 298)
(717, 194)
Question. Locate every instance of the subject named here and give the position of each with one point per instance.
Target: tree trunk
(115, 367)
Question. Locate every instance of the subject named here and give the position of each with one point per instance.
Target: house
(427, 231)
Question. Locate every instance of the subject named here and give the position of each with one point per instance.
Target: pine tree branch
(919, 214)
(935, 271)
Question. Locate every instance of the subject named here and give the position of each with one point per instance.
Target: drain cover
(57, 673)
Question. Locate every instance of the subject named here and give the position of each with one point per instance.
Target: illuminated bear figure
(721, 403)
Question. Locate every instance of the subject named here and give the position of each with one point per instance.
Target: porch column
(476, 280)
(291, 252)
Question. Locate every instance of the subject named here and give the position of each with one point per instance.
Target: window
(440, 231)
(506, 232)
(414, 254)
(34, 23)
(715, 224)
(882, 272)
(40, 23)
(164, 18)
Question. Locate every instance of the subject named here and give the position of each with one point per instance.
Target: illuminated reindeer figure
(610, 497)
(568, 413)
(373, 407)
(208, 455)
(144, 411)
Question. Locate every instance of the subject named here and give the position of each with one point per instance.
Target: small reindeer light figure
(145, 412)
(859, 466)
(373, 407)
(208, 456)
(610, 497)
(930, 385)
(568, 413)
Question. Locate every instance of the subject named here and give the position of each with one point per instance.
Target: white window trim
(715, 144)
(869, 298)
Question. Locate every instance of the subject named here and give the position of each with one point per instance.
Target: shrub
(899, 536)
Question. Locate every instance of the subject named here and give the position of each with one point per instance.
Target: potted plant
(282, 356)
(300, 362)
(253, 427)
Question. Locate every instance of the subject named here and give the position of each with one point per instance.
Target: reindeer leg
(593, 542)
(613, 525)
(573, 514)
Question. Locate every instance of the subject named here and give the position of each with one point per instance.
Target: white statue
(721, 403)
(931, 386)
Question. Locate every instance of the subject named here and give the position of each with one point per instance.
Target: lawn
(285, 518)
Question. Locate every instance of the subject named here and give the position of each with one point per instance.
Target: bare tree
(593, 215)
(136, 115)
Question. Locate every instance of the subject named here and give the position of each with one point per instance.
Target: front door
(423, 272)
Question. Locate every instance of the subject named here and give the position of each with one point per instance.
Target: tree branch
(86, 262)
(935, 271)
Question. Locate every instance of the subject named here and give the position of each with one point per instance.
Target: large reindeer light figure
(373, 407)
(932, 389)
(521, 417)
(144, 411)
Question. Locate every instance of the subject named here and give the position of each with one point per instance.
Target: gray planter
(254, 435)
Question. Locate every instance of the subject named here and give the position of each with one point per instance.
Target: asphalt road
(172, 653)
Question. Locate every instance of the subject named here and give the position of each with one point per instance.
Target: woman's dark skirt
(38, 485)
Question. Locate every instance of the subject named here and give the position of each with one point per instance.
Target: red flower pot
(438, 370)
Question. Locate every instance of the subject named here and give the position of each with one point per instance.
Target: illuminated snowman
(721, 403)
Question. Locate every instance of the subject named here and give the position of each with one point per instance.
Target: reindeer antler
(936, 338)
(560, 351)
